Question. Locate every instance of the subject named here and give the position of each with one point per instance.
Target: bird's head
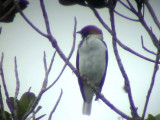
(89, 30)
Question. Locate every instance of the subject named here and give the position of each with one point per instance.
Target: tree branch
(127, 82)
(45, 16)
(53, 110)
(5, 87)
(151, 85)
(149, 51)
(123, 16)
(151, 11)
(47, 71)
(28, 21)
(149, 31)
(17, 88)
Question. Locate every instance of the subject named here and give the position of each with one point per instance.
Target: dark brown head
(88, 30)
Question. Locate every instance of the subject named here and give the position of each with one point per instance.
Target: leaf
(7, 114)
(92, 3)
(151, 117)
(8, 10)
(25, 103)
(11, 100)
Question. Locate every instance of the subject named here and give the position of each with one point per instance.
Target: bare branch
(101, 20)
(146, 48)
(17, 88)
(28, 21)
(135, 53)
(45, 82)
(127, 82)
(124, 5)
(132, 8)
(151, 11)
(17, 79)
(135, 20)
(100, 96)
(40, 117)
(5, 87)
(151, 85)
(45, 16)
(150, 32)
(53, 110)
(44, 61)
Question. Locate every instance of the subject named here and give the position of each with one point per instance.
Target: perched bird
(92, 61)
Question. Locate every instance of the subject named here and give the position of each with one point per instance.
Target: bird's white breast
(92, 58)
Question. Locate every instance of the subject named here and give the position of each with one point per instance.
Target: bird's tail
(87, 108)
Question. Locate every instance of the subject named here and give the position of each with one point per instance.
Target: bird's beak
(79, 32)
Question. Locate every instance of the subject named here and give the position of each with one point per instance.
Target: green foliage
(151, 117)
(5, 114)
(8, 9)
(93, 3)
(23, 105)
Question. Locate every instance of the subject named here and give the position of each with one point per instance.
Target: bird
(91, 62)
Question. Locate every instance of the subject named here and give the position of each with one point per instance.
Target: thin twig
(134, 52)
(146, 49)
(45, 82)
(101, 20)
(124, 5)
(151, 85)
(151, 11)
(127, 82)
(17, 79)
(53, 110)
(141, 19)
(5, 87)
(28, 21)
(40, 117)
(17, 88)
(132, 8)
(44, 61)
(45, 16)
(123, 16)
(150, 32)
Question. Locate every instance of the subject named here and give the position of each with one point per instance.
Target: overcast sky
(20, 40)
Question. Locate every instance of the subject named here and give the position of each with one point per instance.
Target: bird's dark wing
(104, 75)
(80, 81)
